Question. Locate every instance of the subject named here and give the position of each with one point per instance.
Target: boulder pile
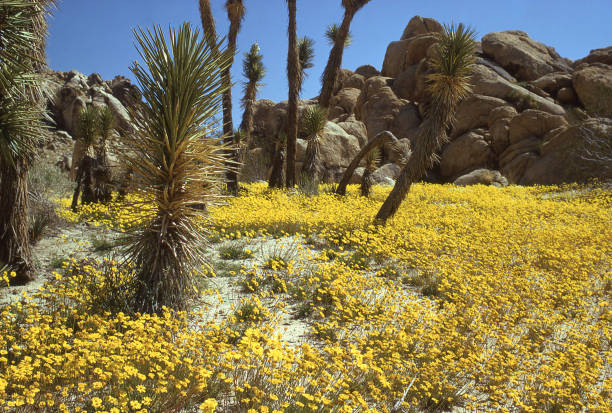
(531, 119)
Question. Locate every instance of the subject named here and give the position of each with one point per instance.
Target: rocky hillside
(534, 117)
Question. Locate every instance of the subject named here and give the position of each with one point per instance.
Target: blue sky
(95, 35)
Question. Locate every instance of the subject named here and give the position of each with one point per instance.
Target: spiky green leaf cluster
(252, 65)
(305, 46)
(331, 34)
(373, 159)
(88, 125)
(106, 121)
(313, 122)
(177, 166)
(452, 63)
(22, 32)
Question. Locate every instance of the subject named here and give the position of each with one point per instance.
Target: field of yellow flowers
(471, 298)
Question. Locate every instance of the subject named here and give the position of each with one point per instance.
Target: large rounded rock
(356, 128)
(380, 106)
(367, 71)
(341, 78)
(404, 85)
(597, 56)
(593, 85)
(552, 82)
(123, 89)
(567, 96)
(356, 81)
(499, 127)
(533, 123)
(482, 177)
(346, 99)
(122, 117)
(386, 174)
(515, 169)
(467, 152)
(575, 154)
(473, 112)
(404, 53)
(338, 148)
(485, 81)
(523, 57)
(421, 25)
(406, 121)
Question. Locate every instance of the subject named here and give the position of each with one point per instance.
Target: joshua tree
(305, 59)
(448, 84)
(332, 34)
(23, 30)
(235, 14)
(253, 70)
(372, 159)
(176, 167)
(293, 69)
(313, 124)
(351, 7)
(92, 175)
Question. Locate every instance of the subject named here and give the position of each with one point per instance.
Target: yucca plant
(254, 71)
(449, 83)
(23, 30)
(332, 32)
(372, 160)
(312, 125)
(176, 166)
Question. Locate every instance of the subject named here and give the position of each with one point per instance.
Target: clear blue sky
(95, 35)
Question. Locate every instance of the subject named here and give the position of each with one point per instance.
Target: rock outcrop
(528, 109)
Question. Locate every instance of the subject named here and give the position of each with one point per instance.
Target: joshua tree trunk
(373, 143)
(208, 24)
(335, 60)
(292, 74)
(14, 240)
(78, 152)
(309, 169)
(228, 131)
(429, 140)
(247, 117)
(452, 63)
(367, 180)
(235, 13)
(85, 183)
(276, 175)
